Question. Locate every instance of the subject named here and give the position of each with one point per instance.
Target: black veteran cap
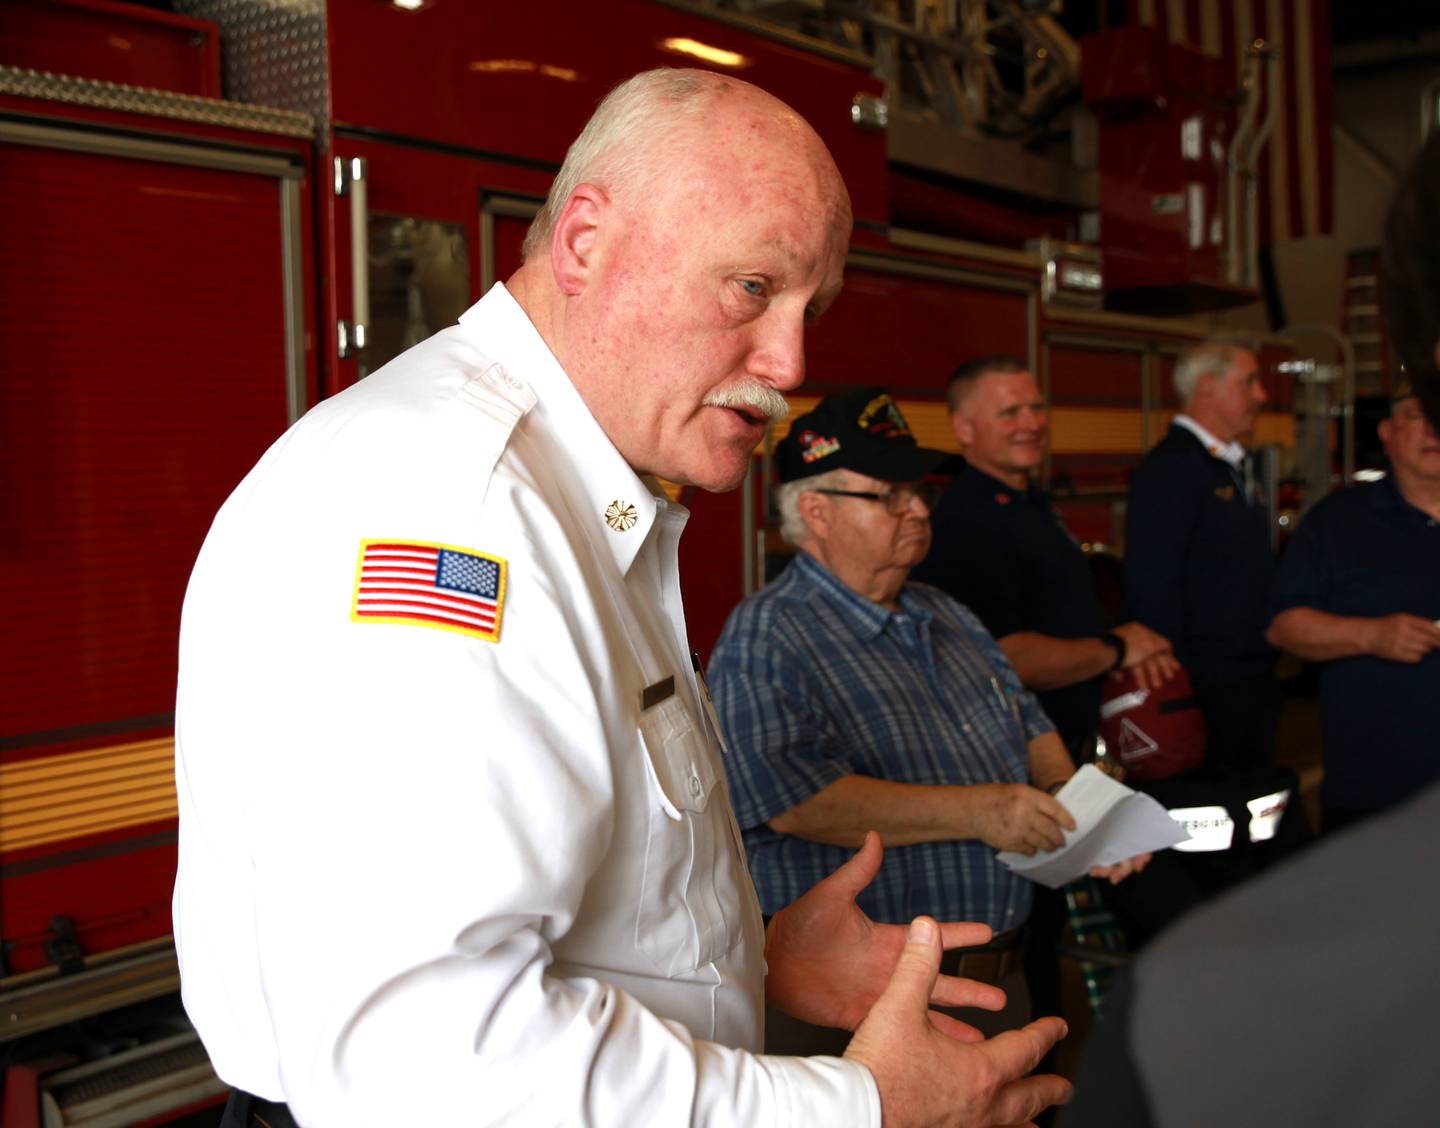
(862, 431)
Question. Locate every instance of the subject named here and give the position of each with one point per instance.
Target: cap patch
(882, 417)
(814, 446)
(430, 585)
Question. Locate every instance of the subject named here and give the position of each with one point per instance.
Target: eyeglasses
(897, 499)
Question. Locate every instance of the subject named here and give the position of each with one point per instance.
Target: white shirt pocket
(688, 915)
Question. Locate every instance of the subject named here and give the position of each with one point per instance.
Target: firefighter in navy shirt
(1198, 560)
(1000, 549)
(1359, 591)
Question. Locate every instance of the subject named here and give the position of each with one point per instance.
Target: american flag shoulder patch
(430, 585)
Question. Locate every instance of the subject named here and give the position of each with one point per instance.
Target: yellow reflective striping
(80, 793)
(929, 420)
(1073, 430)
(1095, 430)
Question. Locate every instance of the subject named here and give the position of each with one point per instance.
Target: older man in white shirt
(455, 843)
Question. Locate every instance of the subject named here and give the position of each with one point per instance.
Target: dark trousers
(1147, 902)
(1241, 717)
(244, 1110)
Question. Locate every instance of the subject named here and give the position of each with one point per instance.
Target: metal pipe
(1249, 83)
(747, 530)
(1252, 194)
(1347, 390)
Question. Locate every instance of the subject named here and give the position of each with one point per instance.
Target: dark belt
(245, 1110)
(987, 963)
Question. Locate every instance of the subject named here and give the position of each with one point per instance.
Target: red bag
(1154, 733)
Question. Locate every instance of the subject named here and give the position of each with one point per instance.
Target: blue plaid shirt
(813, 682)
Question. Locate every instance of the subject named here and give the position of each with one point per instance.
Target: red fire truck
(183, 274)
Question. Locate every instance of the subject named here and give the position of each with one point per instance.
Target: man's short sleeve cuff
(754, 808)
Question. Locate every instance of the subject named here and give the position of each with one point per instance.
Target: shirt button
(966, 727)
(695, 786)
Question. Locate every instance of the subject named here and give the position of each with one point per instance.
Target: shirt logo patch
(1225, 493)
(430, 585)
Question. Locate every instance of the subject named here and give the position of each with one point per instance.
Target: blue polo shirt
(1006, 555)
(813, 682)
(1366, 551)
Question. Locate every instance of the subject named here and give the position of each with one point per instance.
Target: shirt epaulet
(503, 400)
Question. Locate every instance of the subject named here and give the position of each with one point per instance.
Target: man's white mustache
(753, 394)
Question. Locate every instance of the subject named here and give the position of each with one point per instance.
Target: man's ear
(1386, 430)
(815, 512)
(573, 238)
(963, 428)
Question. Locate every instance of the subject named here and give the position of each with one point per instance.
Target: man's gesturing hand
(928, 1079)
(1016, 816)
(829, 962)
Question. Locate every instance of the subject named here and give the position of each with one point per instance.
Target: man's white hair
(793, 529)
(1214, 357)
(616, 147)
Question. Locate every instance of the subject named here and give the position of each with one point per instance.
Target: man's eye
(753, 287)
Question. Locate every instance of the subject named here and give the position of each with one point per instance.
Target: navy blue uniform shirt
(1368, 552)
(1197, 560)
(1006, 555)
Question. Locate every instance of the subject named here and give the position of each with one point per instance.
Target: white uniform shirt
(431, 878)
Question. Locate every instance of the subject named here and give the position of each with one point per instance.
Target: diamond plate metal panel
(273, 53)
(94, 93)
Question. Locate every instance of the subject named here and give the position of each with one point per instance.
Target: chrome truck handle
(350, 179)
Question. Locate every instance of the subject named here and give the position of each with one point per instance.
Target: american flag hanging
(1297, 166)
(430, 585)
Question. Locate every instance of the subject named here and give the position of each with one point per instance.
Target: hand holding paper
(1112, 823)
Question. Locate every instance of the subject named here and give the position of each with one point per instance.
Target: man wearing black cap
(853, 701)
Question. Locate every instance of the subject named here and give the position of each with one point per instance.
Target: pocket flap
(679, 757)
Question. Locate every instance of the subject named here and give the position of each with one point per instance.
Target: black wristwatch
(1117, 644)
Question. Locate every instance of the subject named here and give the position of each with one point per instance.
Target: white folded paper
(1112, 823)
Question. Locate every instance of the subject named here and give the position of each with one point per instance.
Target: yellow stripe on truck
(81, 793)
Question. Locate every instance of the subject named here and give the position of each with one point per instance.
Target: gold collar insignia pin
(621, 516)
